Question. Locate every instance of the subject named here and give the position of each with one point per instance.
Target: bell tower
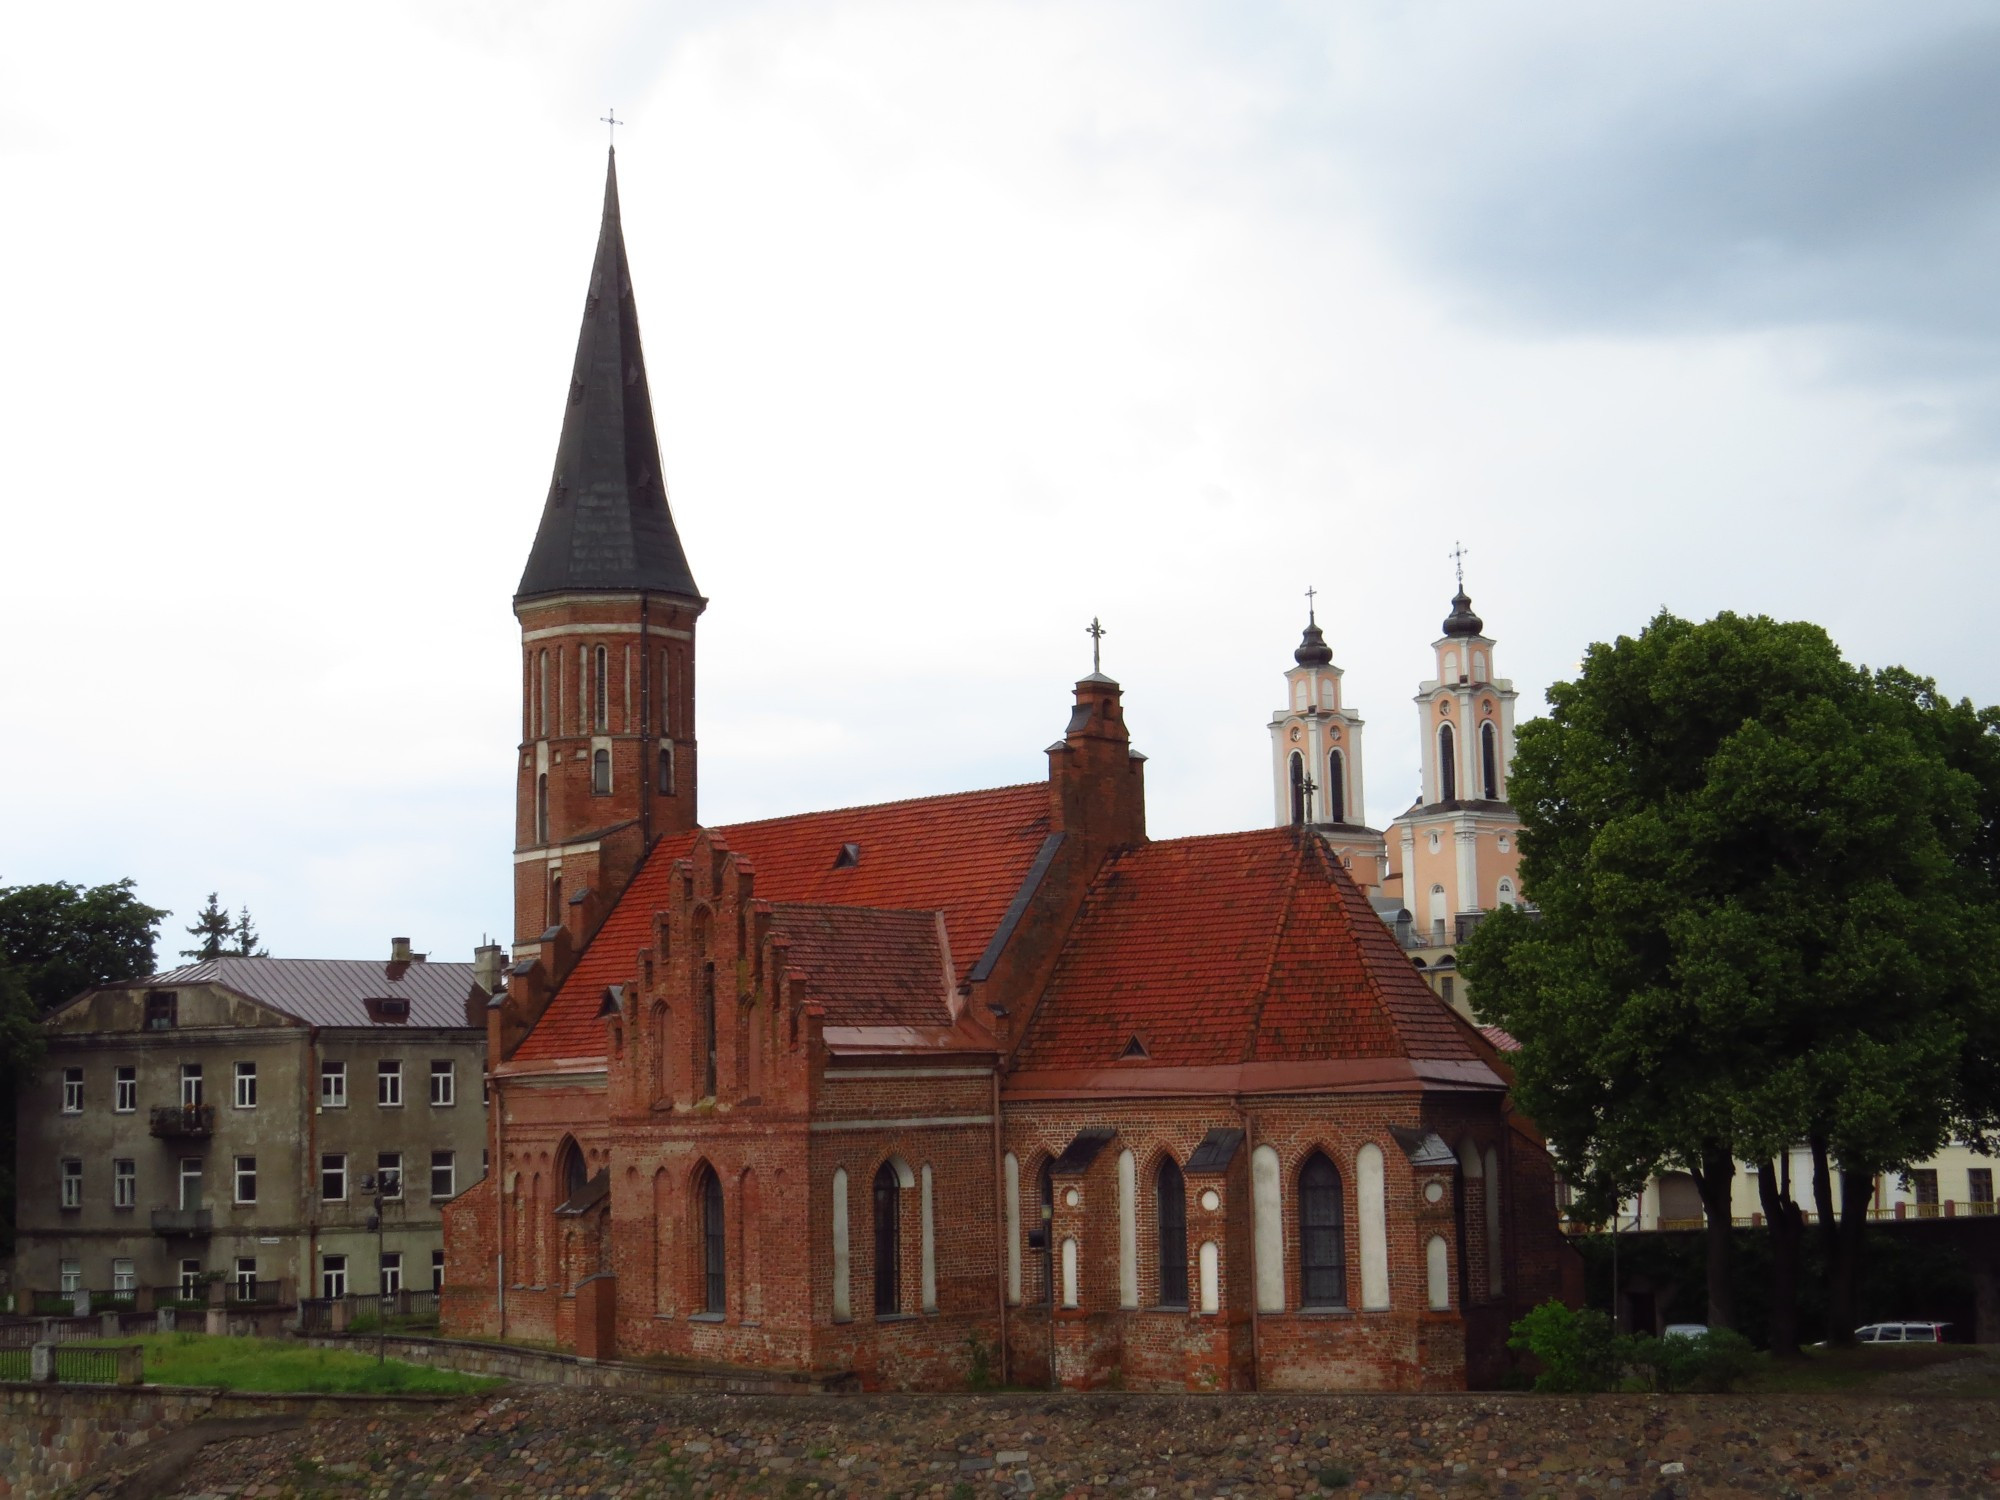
(608, 607)
(1316, 759)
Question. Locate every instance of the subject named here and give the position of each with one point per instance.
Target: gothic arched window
(1322, 1235)
(666, 770)
(1489, 761)
(542, 808)
(663, 1043)
(600, 695)
(1447, 764)
(1170, 1197)
(708, 1030)
(542, 695)
(888, 1241)
(1298, 774)
(715, 1281)
(600, 773)
(1336, 788)
(1045, 1193)
(572, 1171)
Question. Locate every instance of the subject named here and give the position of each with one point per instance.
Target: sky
(965, 322)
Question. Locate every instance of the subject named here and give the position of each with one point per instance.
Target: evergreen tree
(214, 929)
(247, 939)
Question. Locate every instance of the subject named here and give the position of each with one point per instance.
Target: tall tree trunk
(1714, 1178)
(1787, 1228)
(1824, 1207)
(1856, 1188)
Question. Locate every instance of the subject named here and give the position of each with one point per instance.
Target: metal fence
(14, 1363)
(77, 1365)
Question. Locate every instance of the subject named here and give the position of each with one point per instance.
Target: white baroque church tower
(1453, 854)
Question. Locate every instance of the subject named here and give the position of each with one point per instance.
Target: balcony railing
(183, 1121)
(191, 1222)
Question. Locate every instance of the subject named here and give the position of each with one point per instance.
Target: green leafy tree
(20, 1053)
(1760, 913)
(63, 938)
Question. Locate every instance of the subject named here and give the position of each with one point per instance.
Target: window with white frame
(125, 1091)
(333, 1085)
(72, 1275)
(444, 1173)
(190, 1085)
(246, 1278)
(190, 1280)
(72, 1182)
(246, 1085)
(190, 1182)
(333, 1177)
(124, 1183)
(389, 1175)
(392, 1272)
(389, 1083)
(123, 1277)
(72, 1091)
(444, 1082)
(437, 1270)
(246, 1179)
(333, 1276)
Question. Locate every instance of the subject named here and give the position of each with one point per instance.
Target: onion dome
(1313, 650)
(1461, 620)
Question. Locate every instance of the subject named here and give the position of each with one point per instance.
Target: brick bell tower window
(1489, 762)
(1298, 783)
(600, 773)
(542, 808)
(1447, 765)
(888, 1242)
(666, 771)
(715, 1285)
(600, 709)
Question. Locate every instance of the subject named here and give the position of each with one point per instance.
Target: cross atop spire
(610, 118)
(1096, 633)
(1457, 555)
(1311, 594)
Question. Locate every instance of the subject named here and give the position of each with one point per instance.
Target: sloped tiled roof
(1500, 1038)
(1231, 949)
(332, 991)
(963, 855)
(868, 968)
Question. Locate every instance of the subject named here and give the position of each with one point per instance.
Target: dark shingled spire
(605, 525)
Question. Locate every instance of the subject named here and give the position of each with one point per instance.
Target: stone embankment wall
(540, 1367)
(53, 1435)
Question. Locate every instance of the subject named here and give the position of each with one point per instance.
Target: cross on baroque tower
(1096, 633)
(610, 118)
(1458, 561)
(1311, 594)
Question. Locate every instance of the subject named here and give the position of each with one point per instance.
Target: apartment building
(235, 1119)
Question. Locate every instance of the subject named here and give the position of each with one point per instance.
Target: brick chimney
(1097, 781)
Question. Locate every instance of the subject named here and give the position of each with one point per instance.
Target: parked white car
(1902, 1333)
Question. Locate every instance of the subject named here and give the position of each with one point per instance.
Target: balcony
(183, 1223)
(183, 1122)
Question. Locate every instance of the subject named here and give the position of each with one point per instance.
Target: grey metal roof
(1081, 1152)
(1216, 1151)
(332, 991)
(605, 524)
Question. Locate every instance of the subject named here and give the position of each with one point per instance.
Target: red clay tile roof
(1500, 1038)
(1237, 948)
(964, 855)
(868, 968)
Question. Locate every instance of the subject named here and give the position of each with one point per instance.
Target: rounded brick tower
(607, 607)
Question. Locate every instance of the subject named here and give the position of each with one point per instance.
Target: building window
(599, 693)
(125, 1091)
(1445, 988)
(246, 1179)
(72, 1182)
(1506, 893)
(1045, 1195)
(1170, 1197)
(392, 1272)
(1924, 1188)
(389, 1175)
(124, 1183)
(246, 1085)
(888, 1242)
(600, 773)
(162, 1010)
(190, 1281)
(541, 694)
(72, 1275)
(246, 1278)
(1447, 765)
(190, 1085)
(1979, 1187)
(333, 1276)
(1336, 788)
(708, 1030)
(190, 1182)
(666, 770)
(1322, 1235)
(1298, 785)
(1489, 762)
(444, 1083)
(72, 1091)
(333, 1085)
(389, 1084)
(715, 1286)
(123, 1277)
(542, 808)
(333, 1177)
(444, 1173)
(437, 1270)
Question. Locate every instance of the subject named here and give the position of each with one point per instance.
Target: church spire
(605, 525)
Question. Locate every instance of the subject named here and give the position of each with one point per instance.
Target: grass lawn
(280, 1365)
(1882, 1368)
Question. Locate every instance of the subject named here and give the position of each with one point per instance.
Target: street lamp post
(380, 1187)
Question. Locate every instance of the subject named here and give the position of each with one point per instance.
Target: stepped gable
(866, 967)
(963, 855)
(1228, 949)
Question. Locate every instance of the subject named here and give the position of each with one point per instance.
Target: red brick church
(976, 1081)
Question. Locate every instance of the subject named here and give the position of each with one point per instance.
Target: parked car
(1684, 1330)
(1902, 1333)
